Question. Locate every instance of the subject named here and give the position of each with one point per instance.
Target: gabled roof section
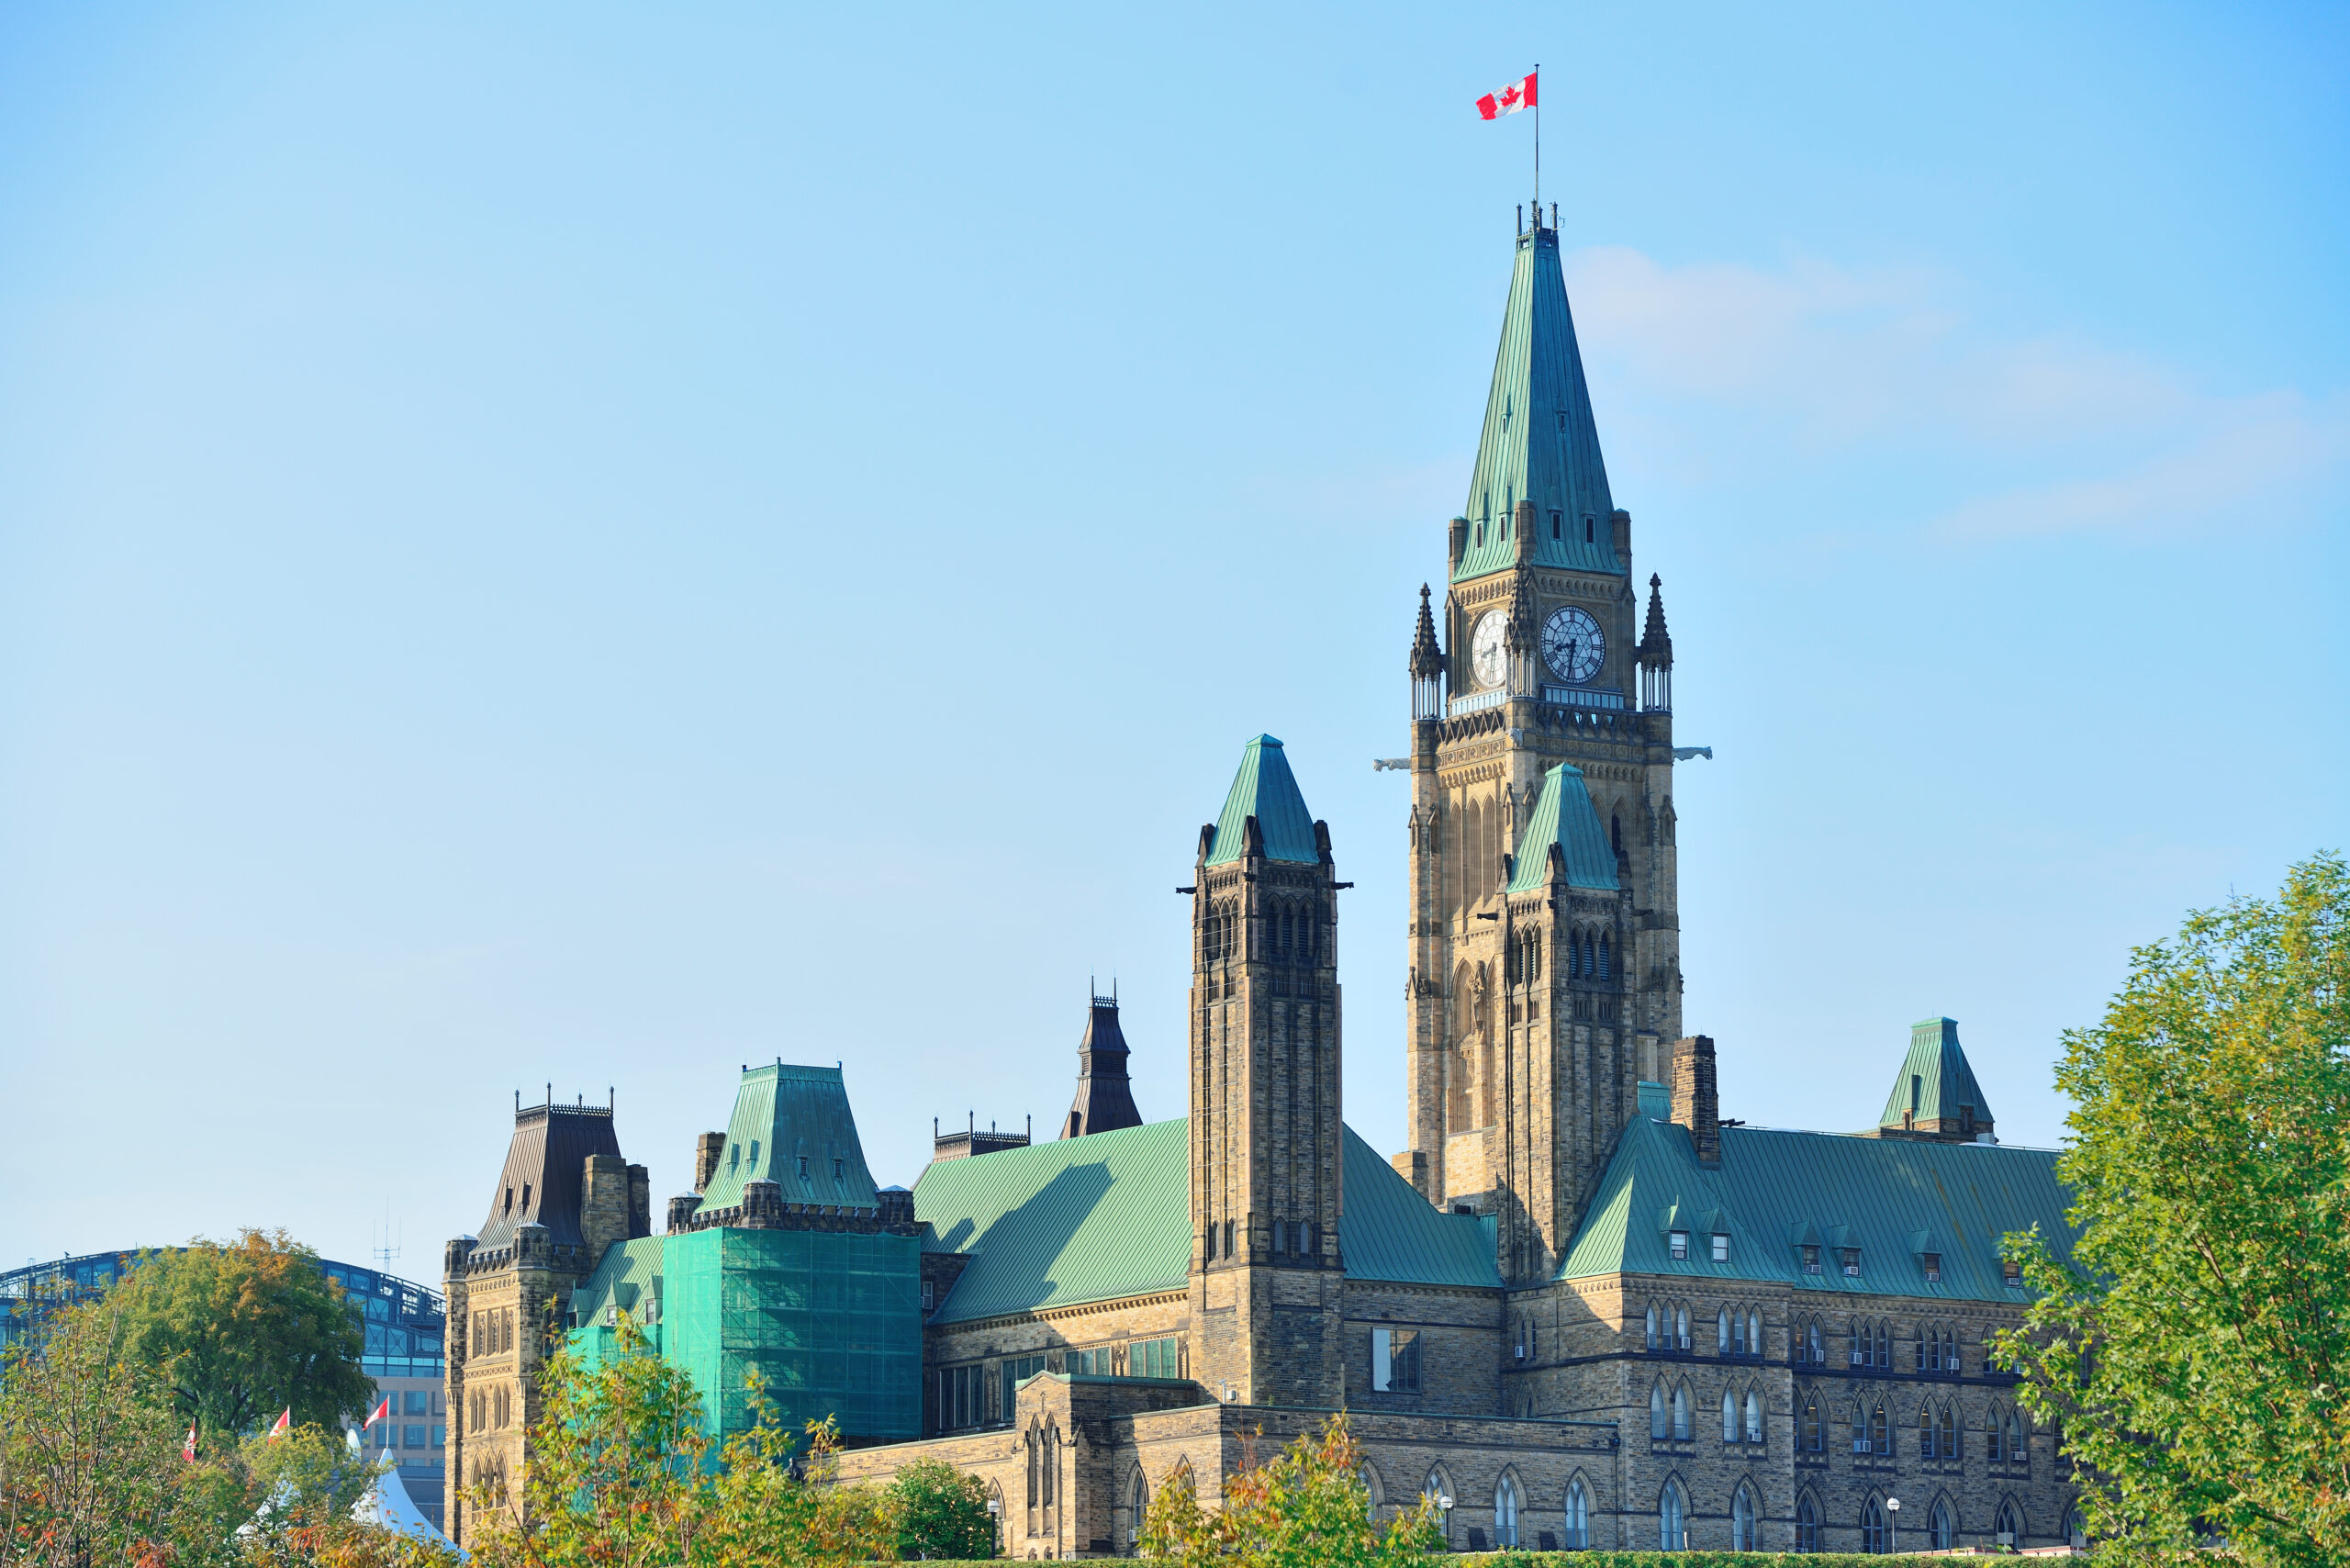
(1564, 815)
(1935, 1080)
(545, 1164)
(623, 1277)
(1053, 1224)
(784, 1114)
(1539, 441)
(1775, 1190)
(1266, 789)
(1109, 1216)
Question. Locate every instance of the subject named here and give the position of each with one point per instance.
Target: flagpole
(1537, 144)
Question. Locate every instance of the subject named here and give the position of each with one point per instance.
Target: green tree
(1307, 1508)
(624, 1472)
(941, 1512)
(2195, 1348)
(242, 1330)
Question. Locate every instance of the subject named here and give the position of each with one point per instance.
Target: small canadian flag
(1518, 95)
(383, 1412)
(285, 1423)
(187, 1449)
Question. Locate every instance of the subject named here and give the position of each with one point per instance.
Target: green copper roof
(623, 1277)
(1540, 441)
(785, 1117)
(1266, 789)
(1110, 1215)
(1564, 815)
(1935, 1080)
(1893, 1198)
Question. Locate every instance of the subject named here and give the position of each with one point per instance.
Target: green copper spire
(1266, 789)
(1539, 442)
(1564, 815)
(1936, 1087)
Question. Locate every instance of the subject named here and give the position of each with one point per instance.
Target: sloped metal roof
(1893, 1198)
(624, 1276)
(1935, 1081)
(1266, 789)
(784, 1113)
(1108, 1215)
(1564, 815)
(545, 1166)
(1540, 441)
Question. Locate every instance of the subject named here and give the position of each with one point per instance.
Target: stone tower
(1105, 1095)
(563, 1197)
(1265, 1273)
(1512, 1106)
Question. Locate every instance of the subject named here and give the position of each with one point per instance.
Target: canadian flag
(383, 1412)
(187, 1449)
(1518, 95)
(285, 1423)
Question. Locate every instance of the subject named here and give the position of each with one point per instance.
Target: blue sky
(596, 545)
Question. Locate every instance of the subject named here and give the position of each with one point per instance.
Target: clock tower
(1545, 976)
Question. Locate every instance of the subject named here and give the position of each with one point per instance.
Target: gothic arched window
(1754, 1416)
(1680, 1414)
(1949, 1436)
(1673, 1518)
(1505, 1512)
(1926, 1448)
(1741, 1519)
(2006, 1529)
(1806, 1524)
(1657, 1430)
(1880, 1436)
(1721, 1332)
(1138, 1508)
(1577, 1535)
(1681, 1328)
(1652, 1344)
(1730, 1417)
(1872, 1526)
(1940, 1527)
(1811, 1434)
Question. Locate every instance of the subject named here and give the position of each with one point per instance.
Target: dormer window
(1554, 525)
(1852, 1258)
(1933, 1264)
(839, 1170)
(2010, 1272)
(1722, 1248)
(1812, 1260)
(1966, 1120)
(612, 1314)
(509, 1200)
(1589, 523)
(1678, 1244)
(1563, 421)
(803, 1167)
(526, 1197)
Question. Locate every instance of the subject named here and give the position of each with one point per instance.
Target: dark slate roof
(1893, 1198)
(1564, 815)
(1266, 789)
(1539, 441)
(1935, 1080)
(1105, 1217)
(781, 1115)
(1105, 1095)
(545, 1164)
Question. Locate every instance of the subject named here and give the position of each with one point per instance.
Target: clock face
(1572, 645)
(1487, 657)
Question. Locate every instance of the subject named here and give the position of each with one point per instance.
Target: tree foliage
(1306, 1508)
(624, 1472)
(92, 1473)
(242, 1330)
(941, 1512)
(2195, 1348)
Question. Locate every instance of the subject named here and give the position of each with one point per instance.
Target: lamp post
(995, 1520)
(1893, 1522)
(1444, 1506)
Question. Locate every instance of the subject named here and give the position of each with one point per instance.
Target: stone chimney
(1695, 1105)
(762, 1205)
(640, 1200)
(707, 1149)
(681, 1211)
(603, 1204)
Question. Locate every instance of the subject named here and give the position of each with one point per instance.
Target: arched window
(1652, 1344)
(1948, 1444)
(1138, 1508)
(1872, 1526)
(1369, 1479)
(1926, 1448)
(1996, 1436)
(2015, 1454)
(1880, 1437)
(1681, 1328)
(1806, 1524)
(1577, 1536)
(1438, 1487)
(1730, 1417)
(1754, 1416)
(1673, 1518)
(1657, 1430)
(1505, 1512)
(2077, 1530)
(1721, 1331)
(1819, 1356)
(1811, 1435)
(1753, 1333)
(2006, 1529)
(1681, 1412)
(1741, 1519)
(1604, 945)
(1940, 1527)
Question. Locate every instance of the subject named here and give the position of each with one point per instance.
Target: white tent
(387, 1504)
